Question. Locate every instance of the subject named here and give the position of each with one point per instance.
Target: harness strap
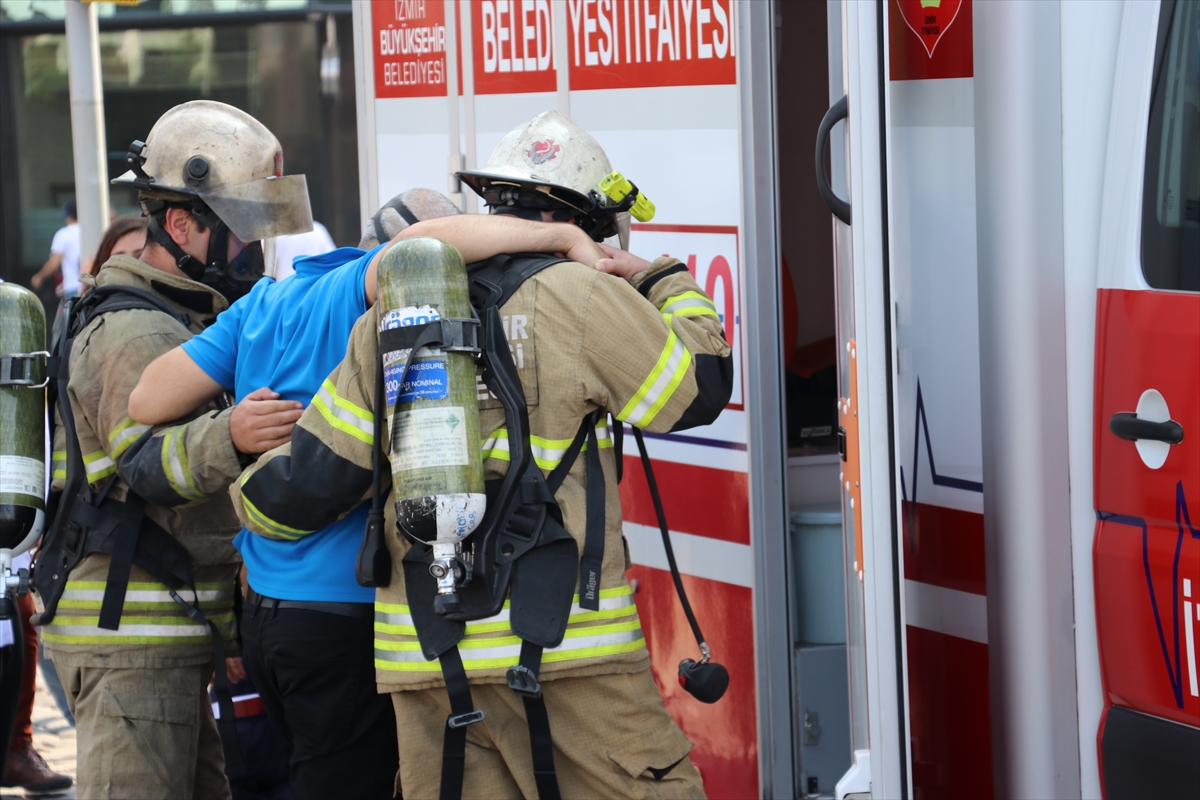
(462, 714)
(554, 480)
(593, 542)
(125, 542)
(373, 566)
(523, 680)
(227, 722)
(618, 435)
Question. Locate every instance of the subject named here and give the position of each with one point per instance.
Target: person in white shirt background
(64, 255)
(289, 248)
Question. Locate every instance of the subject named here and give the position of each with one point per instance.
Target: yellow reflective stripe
(505, 651)
(175, 466)
(548, 453)
(123, 435)
(275, 529)
(689, 304)
(58, 464)
(659, 385)
(98, 465)
(614, 604)
(344, 415)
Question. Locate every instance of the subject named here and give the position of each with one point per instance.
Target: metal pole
(364, 99)
(1023, 378)
(468, 81)
(562, 63)
(87, 124)
(455, 161)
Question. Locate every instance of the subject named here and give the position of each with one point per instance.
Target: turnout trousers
(612, 738)
(145, 734)
(315, 673)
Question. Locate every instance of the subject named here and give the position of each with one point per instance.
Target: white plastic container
(818, 574)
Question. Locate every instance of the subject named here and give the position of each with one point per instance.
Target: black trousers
(315, 672)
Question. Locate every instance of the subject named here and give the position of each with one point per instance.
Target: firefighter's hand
(261, 421)
(621, 263)
(235, 669)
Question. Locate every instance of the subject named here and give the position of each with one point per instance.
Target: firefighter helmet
(550, 163)
(225, 158)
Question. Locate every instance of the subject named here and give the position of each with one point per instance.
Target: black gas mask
(232, 275)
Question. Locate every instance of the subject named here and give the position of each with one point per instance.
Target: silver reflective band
(149, 631)
(148, 596)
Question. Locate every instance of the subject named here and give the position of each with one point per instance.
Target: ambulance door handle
(836, 113)
(1129, 426)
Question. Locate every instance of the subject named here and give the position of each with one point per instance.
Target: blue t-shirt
(289, 336)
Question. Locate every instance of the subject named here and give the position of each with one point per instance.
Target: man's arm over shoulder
(324, 472)
(657, 350)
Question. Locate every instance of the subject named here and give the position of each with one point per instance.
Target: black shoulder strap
(116, 297)
(494, 281)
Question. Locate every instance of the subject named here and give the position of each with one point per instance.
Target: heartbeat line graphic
(922, 421)
(1182, 519)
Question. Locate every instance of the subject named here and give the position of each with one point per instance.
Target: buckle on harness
(522, 681)
(17, 369)
(465, 719)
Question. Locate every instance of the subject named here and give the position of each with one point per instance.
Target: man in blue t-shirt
(307, 626)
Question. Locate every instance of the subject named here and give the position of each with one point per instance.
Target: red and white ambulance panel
(1147, 412)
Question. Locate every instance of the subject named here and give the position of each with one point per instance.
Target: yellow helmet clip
(617, 187)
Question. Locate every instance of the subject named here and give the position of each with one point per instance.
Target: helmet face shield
(263, 209)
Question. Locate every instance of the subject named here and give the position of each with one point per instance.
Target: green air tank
(22, 415)
(437, 464)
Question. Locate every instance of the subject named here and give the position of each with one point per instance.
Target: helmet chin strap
(214, 273)
(188, 264)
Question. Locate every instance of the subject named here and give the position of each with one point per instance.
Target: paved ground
(54, 738)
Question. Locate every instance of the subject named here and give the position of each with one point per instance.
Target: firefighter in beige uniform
(139, 689)
(651, 352)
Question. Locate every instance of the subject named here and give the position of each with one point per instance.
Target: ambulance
(946, 535)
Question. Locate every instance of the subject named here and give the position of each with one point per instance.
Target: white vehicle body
(992, 160)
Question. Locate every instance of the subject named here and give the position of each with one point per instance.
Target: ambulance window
(1171, 201)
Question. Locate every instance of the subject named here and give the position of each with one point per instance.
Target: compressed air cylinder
(437, 464)
(22, 417)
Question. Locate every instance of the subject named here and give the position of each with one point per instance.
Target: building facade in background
(286, 62)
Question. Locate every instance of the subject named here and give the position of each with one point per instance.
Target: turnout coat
(650, 352)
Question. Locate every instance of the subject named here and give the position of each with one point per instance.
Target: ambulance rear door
(856, 192)
(1147, 411)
